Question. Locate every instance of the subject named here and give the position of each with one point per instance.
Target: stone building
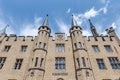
(74, 57)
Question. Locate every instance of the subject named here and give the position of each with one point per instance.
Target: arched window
(60, 79)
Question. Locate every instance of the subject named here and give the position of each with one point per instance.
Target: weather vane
(3, 31)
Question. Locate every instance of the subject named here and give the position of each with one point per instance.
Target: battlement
(75, 28)
(109, 30)
(99, 38)
(14, 37)
(44, 28)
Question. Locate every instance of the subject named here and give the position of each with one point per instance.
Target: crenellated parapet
(99, 38)
(109, 30)
(43, 29)
(14, 37)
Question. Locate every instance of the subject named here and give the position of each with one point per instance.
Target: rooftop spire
(45, 23)
(91, 25)
(93, 29)
(74, 22)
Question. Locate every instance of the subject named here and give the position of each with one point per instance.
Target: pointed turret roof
(45, 23)
(74, 22)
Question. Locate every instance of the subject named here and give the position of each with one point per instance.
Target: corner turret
(44, 27)
(38, 57)
(79, 51)
(75, 29)
(111, 32)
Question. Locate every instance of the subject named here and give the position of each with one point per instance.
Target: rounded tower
(81, 59)
(38, 57)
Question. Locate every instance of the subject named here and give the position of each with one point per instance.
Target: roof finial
(3, 31)
(74, 22)
(45, 23)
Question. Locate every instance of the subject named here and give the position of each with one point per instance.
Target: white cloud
(104, 1)
(113, 25)
(25, 28)
(68, 11)
(82, 17)
(101, 30)
(30, 29)
(91, 13)
(62, 26)
(37, 21)
(86, 33)
(3, 24)
(105, 8)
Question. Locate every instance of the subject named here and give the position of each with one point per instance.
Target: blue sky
(25, 16)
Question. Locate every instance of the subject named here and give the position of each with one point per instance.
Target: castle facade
(74, 57)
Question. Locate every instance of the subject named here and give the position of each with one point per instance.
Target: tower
(81, 59)
(111, 32)
(93, 29)
(38, 57)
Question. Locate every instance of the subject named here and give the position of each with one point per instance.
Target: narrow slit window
(75, 45)
(83, 62)
(40, 45)
(36, 61)
(41, 62)
(44, 46)
(78, 62)
(80, 45)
